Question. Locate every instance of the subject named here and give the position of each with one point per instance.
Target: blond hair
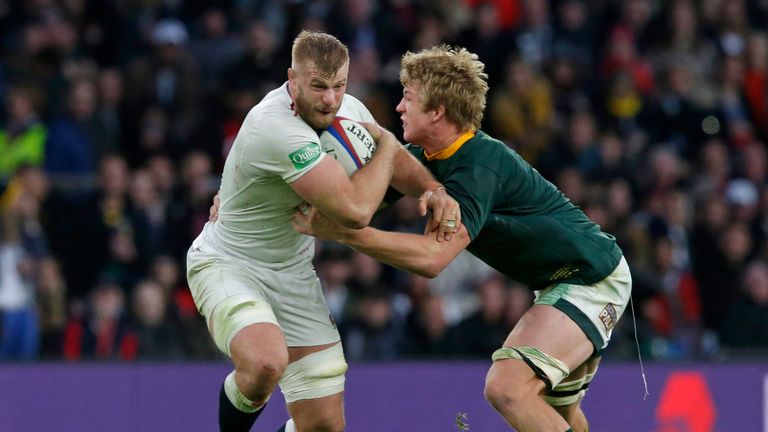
(326, 52)
(451, 77)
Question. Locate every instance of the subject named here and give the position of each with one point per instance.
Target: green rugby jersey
(520, 223)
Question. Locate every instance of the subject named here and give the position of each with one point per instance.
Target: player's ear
(439, 113)
(291, 74)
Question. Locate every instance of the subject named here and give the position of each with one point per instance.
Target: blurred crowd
(117, 115)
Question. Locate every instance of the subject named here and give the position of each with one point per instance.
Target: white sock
(290, 426)
(238, 400)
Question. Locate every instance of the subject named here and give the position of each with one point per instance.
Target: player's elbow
(429, 272)
(355, 218)
(431, 267)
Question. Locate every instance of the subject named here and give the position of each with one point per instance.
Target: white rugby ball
(348, 142)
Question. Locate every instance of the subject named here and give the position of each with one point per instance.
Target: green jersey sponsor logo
(304, 156)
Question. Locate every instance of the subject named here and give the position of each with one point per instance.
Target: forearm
(369, 184)
(411, 178)
(409, 252)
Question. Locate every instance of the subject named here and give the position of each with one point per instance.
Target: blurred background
(117, 115)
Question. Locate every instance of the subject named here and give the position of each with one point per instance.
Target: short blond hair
(326, 52)
(451, 77)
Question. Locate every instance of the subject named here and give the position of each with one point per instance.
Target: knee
(506, 394)
(259, 368)
(500, 395)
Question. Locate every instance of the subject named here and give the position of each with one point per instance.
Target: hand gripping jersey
(273, 148)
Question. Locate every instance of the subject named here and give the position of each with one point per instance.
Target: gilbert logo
(608, 316)
(305, 155)
(358, 131)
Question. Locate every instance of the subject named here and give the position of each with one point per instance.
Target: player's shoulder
(483, 146)
(273, 121)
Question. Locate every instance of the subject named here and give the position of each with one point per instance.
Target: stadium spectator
(521, 112)
(22, 245)
(535, 37)
(52, 308)
(746, 321)
(101, 331)
(575, 33)
(94, 223)
(75, 143)
(23, 135)
(370, 331)
(147, 217)
(182, 312)
(334, 268)
(215, 48)
(483, 331)
(428, 333)
(187, 208)
(167, 78)
(158, 337)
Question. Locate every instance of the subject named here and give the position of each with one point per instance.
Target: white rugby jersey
(273, 148)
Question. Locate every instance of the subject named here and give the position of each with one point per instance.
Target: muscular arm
(411, 178)
(420, 254)
(350, 201)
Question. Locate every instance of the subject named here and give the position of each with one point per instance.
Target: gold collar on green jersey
(451, 149)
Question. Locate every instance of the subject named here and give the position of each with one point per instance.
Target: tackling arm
(420, 254)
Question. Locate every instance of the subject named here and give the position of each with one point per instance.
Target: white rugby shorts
(232, 294)
(595, 308)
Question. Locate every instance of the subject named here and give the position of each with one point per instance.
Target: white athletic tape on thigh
(317, 375)
(231, 317)
(552, 369)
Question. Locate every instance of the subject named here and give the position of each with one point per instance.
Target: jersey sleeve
(289, 153)
(474, 188)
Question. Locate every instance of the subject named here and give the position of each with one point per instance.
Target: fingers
(447, 228)
(423, 201)
(300, 221)
(213, 212)
(438, 215)
(374, 129)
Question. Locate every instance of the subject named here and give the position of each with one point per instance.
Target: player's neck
(441, 138)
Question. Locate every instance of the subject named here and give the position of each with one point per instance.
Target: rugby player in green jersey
(517, 222)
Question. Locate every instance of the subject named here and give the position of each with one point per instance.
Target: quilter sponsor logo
(686, 404)
(305, 155)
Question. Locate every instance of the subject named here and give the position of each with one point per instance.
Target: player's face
(317, 96)
(416, 121)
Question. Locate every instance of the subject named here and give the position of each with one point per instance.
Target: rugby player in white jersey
(251, 274)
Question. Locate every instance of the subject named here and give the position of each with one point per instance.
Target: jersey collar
(451, 149)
